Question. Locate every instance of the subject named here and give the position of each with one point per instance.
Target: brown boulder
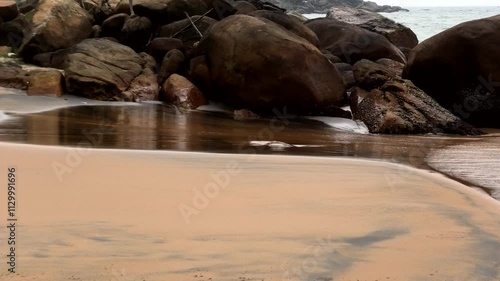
(260, 66)
(351, 43)
(105, 70)
(181, 92)
(396, 106)
(56, 24)
(160, 46)
(289, 23)
(172, 63)
(136, 32)
(459, 68)
(199, 73)
(46, 83)
(112, 26)
(398, 34)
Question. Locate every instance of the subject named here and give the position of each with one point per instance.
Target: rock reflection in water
(152, 126)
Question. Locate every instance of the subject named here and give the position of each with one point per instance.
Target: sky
(439, 3)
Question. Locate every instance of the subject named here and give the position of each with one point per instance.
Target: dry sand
(116, 217)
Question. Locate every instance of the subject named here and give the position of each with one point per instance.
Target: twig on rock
(187, 26)
(131, 4)
(192, 23)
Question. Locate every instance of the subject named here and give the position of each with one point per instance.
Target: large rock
(398, 34)
(160, 46)
(171, 63)
(46, 83)
(464, 79)
(181, 92)
(396, 106)
(351, 43)
(136, 32)
(56, 24)
(167, 11)
(112, 26)
(260, 66)
(105, 70)
(289, 23)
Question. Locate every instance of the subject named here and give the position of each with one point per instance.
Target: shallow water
(122, 193)
(163, 127)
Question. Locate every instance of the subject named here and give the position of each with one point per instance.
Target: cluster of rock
(323, 6)
(256, 58)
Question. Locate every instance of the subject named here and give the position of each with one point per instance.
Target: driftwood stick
(131, 4)
(187, 26)
(194, 25)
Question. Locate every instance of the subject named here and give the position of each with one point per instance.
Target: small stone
(45, 83)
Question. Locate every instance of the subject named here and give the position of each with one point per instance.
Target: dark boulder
(351, 43)
(11, 33)
(160, 46)
(258, 65)
(172, 63)
(136, 32)
(56, 24)
(396, 106)
(112, 26)
(460, 69)
(102, 69)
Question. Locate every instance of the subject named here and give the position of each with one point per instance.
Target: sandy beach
(136, 215)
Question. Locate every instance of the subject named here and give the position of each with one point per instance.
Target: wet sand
(116, 216)
(163, 127)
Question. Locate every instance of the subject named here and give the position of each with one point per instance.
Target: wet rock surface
(259, 65)
(396, 106)
(465, 80)
(56, 24)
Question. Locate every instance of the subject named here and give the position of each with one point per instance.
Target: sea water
(429, 21)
